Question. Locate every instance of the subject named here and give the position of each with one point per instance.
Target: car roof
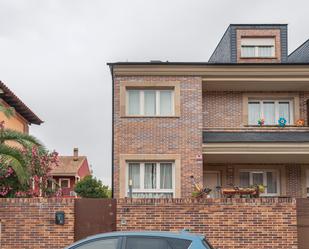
(176, 235)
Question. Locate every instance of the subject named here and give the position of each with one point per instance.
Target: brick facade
(30, 223)
(294, 181)
(227, 223)
(162, 135)
(224, 109)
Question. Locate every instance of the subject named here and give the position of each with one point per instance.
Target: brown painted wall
(166, 135)
(30, 223)
(227, 223)
(16, 122)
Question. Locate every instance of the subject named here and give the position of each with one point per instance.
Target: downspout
(112, 72)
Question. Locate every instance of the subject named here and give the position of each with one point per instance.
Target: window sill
(270, 58)
(136, 116)
(274, 126)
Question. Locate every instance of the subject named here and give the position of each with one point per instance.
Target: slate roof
(68, 166)
(301, 54)
(9, 97)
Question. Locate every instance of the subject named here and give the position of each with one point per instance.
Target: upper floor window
(150, 102)
(258, 47)
(270, 110)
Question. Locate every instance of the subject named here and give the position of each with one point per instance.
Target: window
(268, 178)
(257, 47)
(151, 179)
(150, 102)
(270, 111)
(147, 243)
(100, 244)
(64, 183)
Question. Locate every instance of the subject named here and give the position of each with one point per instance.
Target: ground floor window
(268, 178)
(151, 179)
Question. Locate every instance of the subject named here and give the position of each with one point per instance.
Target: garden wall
(227, 223)
(30, 223)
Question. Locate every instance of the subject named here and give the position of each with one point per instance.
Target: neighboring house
(174, 120)
(23, 115)
(71, 169)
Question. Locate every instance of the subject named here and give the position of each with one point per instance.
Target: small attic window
(258, 47)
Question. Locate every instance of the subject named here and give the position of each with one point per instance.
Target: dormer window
(258, 47)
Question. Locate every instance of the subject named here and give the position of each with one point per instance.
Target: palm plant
(12, 144)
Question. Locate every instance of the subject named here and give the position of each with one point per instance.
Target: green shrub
(90, 187)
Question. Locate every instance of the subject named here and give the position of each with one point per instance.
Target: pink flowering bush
(40, 163)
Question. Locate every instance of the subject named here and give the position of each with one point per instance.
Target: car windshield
(207, 245)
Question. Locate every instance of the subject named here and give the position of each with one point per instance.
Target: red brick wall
(222, 109)
(293, 180)
(227, 223)
(30, 223)
(179, 135)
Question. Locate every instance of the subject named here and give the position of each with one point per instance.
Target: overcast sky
(53, 55)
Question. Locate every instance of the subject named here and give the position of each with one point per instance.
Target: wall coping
(37, 200)
(210, 201)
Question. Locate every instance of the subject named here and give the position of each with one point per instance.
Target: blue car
(143, 240)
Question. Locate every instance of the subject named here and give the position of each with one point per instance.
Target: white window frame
(276, 101)
(257, 43)
(142, 178)
(264, 172)
(142, 102)
(65, 179)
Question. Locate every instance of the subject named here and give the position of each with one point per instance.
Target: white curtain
(150, 102)
(244, 179)
(271, 183)
(257, 178)
(269, 113)
(265, 51)
(152, 195)
(134, 102)
(248, 51)
(134, 175)
(166, 176)
(284, 111)
(166, 103)
(254, 113)
(150, 176)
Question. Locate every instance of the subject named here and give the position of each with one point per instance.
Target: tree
(24, 162)
(90, 187)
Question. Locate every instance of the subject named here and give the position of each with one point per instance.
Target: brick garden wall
(30, 223)
(227, 223)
